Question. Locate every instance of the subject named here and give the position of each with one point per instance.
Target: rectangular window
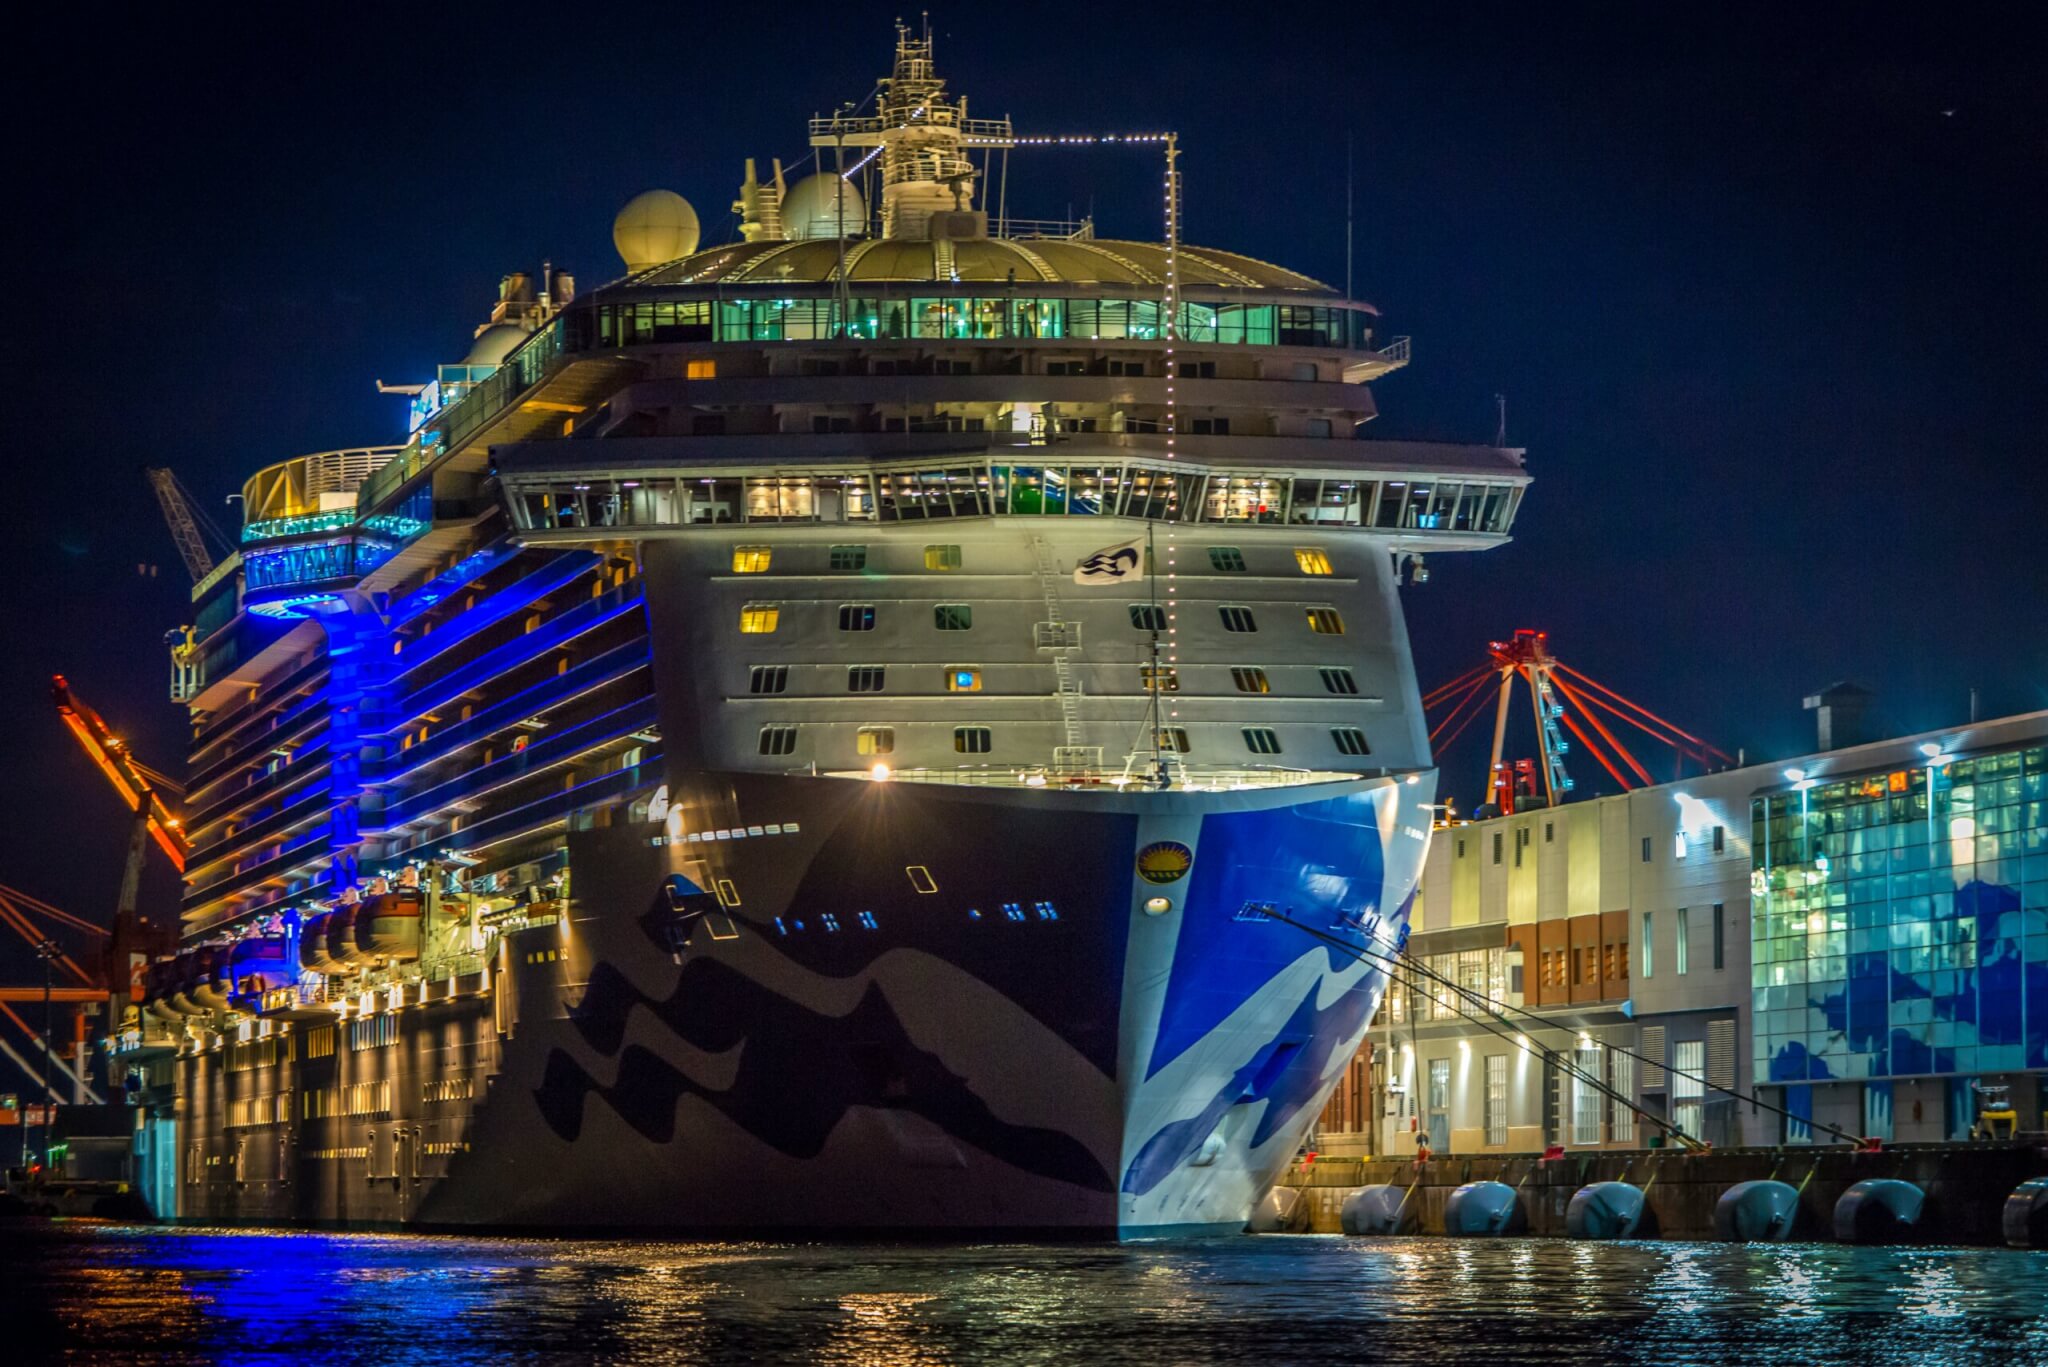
(953, 617)
(865, 678)
(1174, 739)
(1688, 1085)
(1164, 677)
(1720, 839)
(700, 370)
(856, 616)
(1325, 622)
(1498, 843)
(751, 559)
(1588, 1064)
(778, 740)
(759, 619)
(1496, 1117)
(768, 679)
(942, 557)
(875, 740)
(1646, 849)
(1350, 740)
(1312, 560)
(1621, 1079)
(1339, 681)
(973, 740)
(1250, 679)
(1719, 947)
(1549, 832)
(1649, 928)
(849, 557)
(1237, 619)
(1681, 955)
(1227, 558)
(1148, 617)
(1261, 740)
(1210, 427)
(963, 679)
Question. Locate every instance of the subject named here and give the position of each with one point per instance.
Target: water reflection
(105, 1291)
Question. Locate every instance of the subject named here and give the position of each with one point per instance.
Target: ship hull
(878, 1006)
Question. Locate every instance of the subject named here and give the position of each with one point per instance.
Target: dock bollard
(1878, 1210)
(1756, 1212)
(1382, 1209)
(2026, 1214)
(1604, 1210)
(1482, 1209)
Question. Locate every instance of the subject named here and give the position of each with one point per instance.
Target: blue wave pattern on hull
(1322, 864)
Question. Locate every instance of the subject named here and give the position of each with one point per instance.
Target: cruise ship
(841, 730)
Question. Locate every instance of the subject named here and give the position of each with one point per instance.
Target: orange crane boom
(110, 752)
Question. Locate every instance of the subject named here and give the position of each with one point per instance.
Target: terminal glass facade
(1901, 922)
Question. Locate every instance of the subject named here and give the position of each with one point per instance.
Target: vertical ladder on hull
(1061, 639)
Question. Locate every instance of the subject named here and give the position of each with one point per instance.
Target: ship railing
(1395, 351)
(1064, 229)
(1190, 780)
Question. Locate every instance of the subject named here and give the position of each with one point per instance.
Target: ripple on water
(116, 1293)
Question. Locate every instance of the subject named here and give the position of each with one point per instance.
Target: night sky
(1764, 292)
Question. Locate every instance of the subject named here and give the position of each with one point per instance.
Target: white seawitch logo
(1111, 565)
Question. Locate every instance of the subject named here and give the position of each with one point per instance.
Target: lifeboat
(157, 982)
(182, 977)
(260, 964)
(388, 925)
(313, 944)
(341, 938)
(212, 984)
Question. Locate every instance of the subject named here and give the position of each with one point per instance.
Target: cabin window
(953, 617)
(1311, 560)
(856, 616)
(963, 679)
(700, 370)
(768, 679)
(1174, 739)
(875, 740)
(1338, 681)
(1148, 617)
(973, 740)
(942, 557)
(751, 559)
(1227, 558)
(865, 678)
(1325, 622)
(1163, 677)
(849, 557)
(778, 740)
(1250, 679)
(1261, 740)
(1350, 740)
(760, 619)
(1237, 619)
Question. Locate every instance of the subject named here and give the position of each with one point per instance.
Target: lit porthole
(1158, 906)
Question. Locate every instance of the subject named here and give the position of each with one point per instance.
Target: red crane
(1561, 697)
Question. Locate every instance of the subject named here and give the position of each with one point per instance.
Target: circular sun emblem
(1164, 861)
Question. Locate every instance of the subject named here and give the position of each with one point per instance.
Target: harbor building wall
(1858, 938)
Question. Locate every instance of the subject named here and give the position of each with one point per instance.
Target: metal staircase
(1061, 638)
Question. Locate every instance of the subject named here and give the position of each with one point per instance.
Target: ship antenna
(1349, 214)
(1500, 431)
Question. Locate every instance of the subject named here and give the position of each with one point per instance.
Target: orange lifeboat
(388, 925)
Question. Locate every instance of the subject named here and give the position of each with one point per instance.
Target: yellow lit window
(875, 740)
(961, 679)
(1325, 622)
(1166, 678)
(759, 619)
(751, 559)
(942, 557)
(700, 370)
(1311, 560)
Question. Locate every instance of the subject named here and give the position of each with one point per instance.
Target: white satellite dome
(494, 344)
(655, 227)
(810, 210)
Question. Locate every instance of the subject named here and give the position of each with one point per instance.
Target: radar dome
(811, 210)
(656, 227)
(494, 344)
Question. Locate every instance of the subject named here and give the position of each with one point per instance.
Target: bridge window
(1237, 619)
(1261, 740)
(760, 619)
(1339, 681)
(1250, 679)
(1311, 560)
(1325, 622)
(953, 617)
(856, 617)
(875, 740)
(865, 678)
(1227, 558)
(1148, 617)
(973, 740)
(849, 557)
(751, 559)
(778, 740)
(768, 679)
(1350, 740)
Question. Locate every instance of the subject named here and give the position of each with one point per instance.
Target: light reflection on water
(117, 1293)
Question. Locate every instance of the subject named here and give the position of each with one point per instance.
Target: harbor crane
(1563, 700)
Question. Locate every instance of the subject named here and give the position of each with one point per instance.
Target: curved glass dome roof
(975, 261)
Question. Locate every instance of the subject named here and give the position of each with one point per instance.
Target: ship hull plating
(849, 1005)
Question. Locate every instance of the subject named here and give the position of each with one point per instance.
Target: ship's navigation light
(1158, 906)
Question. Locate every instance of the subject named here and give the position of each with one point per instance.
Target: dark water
(115, 1293)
